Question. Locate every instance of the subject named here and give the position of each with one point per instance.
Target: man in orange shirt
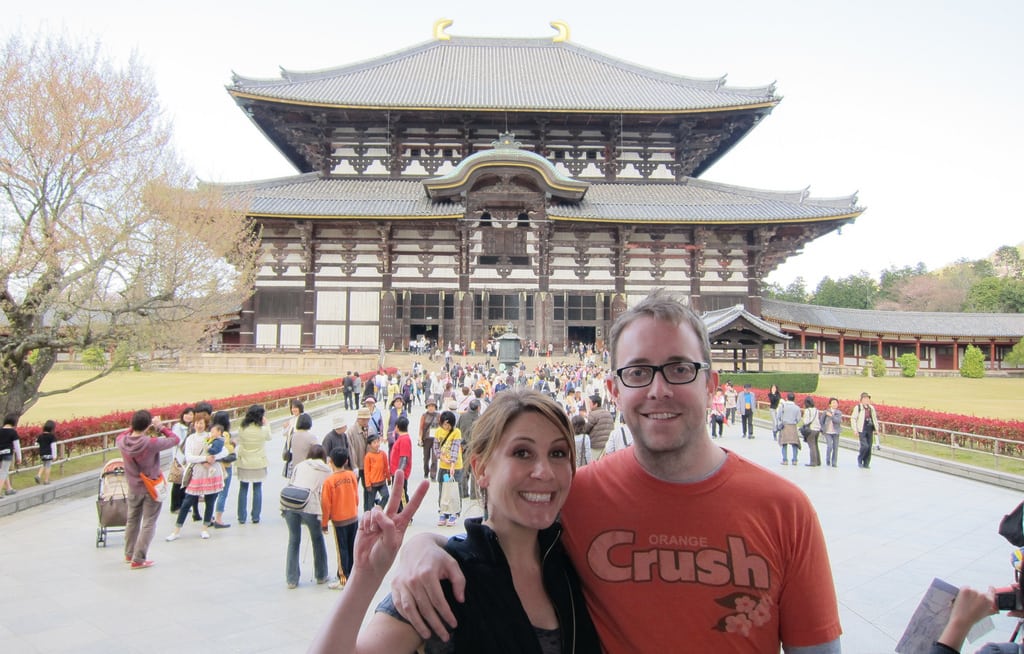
(679, 543)
(339, 503)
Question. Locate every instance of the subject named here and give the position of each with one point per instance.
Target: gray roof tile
(911, 323)
(694, 201)
(503, 74)
(720, 319)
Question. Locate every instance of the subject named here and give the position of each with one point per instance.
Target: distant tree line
(994, 285)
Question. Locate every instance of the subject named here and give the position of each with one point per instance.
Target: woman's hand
(381, 533)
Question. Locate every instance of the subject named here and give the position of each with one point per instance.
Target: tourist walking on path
(47, 444)
(10, 452)
(252, 462)
(789, 416)
(716, 415)
(428, 425)
(731, 397)
(310, 473)
(831, 425)
(206, 479)
(864, 420)
(339, 504)
(141, 454)
(747, 403)
(810, 423)
(182, 428)
(223, 418)
(774, 397)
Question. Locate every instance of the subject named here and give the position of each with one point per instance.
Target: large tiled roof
(309, 196)
(911, 323)
(695, 201)
(502, 74)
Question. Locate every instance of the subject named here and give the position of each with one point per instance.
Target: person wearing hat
(428, 423)
(357, 434)
(376, 419)
(337, 437)
(746, 404)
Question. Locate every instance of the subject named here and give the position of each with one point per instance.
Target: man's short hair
(660, 305)
(141, 420)
(304, 421)
(402, 423)
(791, 396)
(474, 405)
(595, 399)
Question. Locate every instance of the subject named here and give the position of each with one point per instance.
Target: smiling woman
(522, 454)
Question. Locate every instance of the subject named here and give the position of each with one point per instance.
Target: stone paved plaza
(890, 530)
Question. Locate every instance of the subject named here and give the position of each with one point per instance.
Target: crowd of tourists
(539, 449)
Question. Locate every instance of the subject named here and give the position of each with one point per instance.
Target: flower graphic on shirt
(746, 612)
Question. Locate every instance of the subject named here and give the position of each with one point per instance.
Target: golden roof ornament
(440, 25)
(563, 31)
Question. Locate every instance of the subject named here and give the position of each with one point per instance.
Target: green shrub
(94, 357)
(973, 364)
(865, 371)
(877, 365)
(798, 382)
(1015, 357)
(909, 364)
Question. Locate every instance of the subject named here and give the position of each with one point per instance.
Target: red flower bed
(121, 419)
(1006, 429)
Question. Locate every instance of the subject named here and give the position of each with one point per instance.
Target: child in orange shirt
(375, 474)
(339, 501)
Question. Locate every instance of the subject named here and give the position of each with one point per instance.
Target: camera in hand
(1009, 598)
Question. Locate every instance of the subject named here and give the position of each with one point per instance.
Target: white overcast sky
(911, 103)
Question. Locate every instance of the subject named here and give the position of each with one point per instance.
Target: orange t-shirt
(375, 467)
(339, 497)
(733, 563)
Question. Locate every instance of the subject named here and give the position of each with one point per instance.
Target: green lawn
(128, 391)
(990, 397)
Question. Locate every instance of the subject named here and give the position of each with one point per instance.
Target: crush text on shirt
(613, 557)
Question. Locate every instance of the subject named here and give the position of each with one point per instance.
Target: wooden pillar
(247, 322)
(697, 252)
(307, 338)
(544, 258)
(803, 337)
(880, 345)
(842, 349)
(388, 302)
(956, 354)
(917, 347)
(992, 354)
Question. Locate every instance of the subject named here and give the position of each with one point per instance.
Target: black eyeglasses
(674, 372)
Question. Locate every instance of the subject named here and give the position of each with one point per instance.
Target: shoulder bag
(157, 488)
(294, 498)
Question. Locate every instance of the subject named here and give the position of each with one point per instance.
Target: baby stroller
(112, 501)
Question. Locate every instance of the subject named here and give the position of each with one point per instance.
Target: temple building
(459, 186)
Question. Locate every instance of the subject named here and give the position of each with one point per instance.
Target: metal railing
(104, 444)
(956, 442)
